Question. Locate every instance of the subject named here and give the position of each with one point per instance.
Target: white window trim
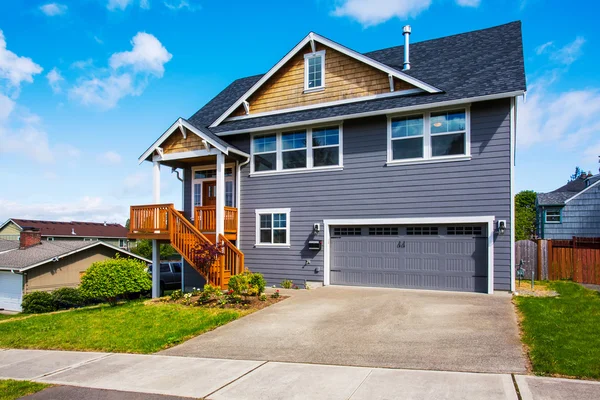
(307, 57)
(194, 181)
(272, 211)
(309, 153)
(427, 157)
(553, 222)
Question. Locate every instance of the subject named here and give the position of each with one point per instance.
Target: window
(211, 173)
(346, 231)
(164, 267)
(228, 193)
(273, 227)
(176, 267)
(200, 175)
(50, 239)
(314, 71)
(422, 230)
(383, 231)
(306, 149)
(122, 243)
(429, 136)
(265, 152)
(464, 230)
(553, 216)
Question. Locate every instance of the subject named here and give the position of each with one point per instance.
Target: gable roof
(567, 192)
(311, 38)
(82, 229)
(46, 252)
(472, 66)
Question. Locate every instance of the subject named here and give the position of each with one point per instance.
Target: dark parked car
(170, 275)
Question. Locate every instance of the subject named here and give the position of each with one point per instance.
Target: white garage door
(11, 291)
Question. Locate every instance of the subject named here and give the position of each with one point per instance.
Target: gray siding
(366, 188)
(580, 217)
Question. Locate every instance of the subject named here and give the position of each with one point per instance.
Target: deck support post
(156, 182)
(220, 206)
(155, 269)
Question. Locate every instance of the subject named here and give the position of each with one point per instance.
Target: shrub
(176, 295)
(68, 298)
(287, 284)
(115, 277)
(262, 297)
(276, 294)
(38, 302)
(247, 284)
(210, 292)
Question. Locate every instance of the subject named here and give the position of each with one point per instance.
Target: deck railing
(205, 218)
(164, 222)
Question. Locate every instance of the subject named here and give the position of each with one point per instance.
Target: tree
(127, 223)
(525, 215)
(143, 248)
(577, 174)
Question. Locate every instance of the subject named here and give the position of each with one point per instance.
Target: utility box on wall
(315, 245)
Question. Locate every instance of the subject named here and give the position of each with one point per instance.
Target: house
(390, 168)
(571, 210)
(31, 264)
(114, 234)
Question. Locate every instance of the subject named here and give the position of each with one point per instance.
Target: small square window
(272, 227)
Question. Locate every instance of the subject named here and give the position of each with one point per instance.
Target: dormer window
(314, 71)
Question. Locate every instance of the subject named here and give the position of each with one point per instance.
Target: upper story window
(553, 216)
(314, 71)
(299, 150)
(429, 136)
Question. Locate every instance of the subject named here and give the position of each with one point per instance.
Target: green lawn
(133, 327)
(563, 333)
(10, 390)
(9, 316)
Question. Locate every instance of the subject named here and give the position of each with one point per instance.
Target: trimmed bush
(68, 297)
(114, 278)
(38, 302)
(247, 284)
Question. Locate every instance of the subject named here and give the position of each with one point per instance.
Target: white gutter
(376, 113)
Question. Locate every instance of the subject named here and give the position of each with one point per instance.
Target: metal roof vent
(73, 231)
(406, 32)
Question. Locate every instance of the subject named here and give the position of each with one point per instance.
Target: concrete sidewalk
(238, 379)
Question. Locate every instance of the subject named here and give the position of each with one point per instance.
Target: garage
(439, 257)
(11, 291)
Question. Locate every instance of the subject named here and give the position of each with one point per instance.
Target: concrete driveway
(374, 328)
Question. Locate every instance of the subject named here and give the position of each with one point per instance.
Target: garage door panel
(429, 261)
(10, 291)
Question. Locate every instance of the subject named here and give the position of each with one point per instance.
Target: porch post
(156, 182)
(220, 210)
(155, 269)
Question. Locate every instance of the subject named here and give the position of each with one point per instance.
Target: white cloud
(53, 9)
(6, 107)
(110, 157)
(15, 69)
(541, 49)
(55, 79)
(118, 4)
(88, 208)
(468, 3)
(148, 55)
(128, 74)
(373, 12)
(570, 53)
(182, 4)
(98, 40)
(82, 64)
(145, 4)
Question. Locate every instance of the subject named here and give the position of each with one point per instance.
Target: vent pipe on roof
(406, 32)
(73, 231)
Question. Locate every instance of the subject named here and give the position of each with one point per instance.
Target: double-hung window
(429, 136)
(300, 150)
(273, 227)
(314, 71)
(553, 216)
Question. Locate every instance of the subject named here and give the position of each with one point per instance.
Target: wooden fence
(577, 259)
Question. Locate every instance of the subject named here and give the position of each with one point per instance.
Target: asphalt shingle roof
(472, 64)
(6, 245)
(81, 229)
(44, 251)
(565, 192)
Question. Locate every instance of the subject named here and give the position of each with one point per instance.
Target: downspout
(239, 198)
(176, 171)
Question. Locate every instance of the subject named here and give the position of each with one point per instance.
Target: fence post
(539, 259)
(549, 257)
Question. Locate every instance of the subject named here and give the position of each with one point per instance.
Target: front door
(209, 193)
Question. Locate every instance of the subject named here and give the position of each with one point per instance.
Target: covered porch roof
(209, 145)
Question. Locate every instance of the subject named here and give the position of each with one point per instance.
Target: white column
(220, 210)
(156, 182)
(155, 269)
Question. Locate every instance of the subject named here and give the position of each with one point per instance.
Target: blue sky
(86, 86)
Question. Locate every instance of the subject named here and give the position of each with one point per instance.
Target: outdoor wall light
(501, 226)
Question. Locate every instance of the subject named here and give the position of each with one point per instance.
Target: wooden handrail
(149, 218)
(205, 218)
(233, 258)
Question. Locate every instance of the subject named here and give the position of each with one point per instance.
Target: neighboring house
(571, 210)
(389, 168)
(32, 264)
(114, 234)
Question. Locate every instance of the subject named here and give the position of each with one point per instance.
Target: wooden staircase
(164, 222)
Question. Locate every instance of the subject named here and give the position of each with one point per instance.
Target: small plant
(67, 297)
(306, 286)
(209, 293)
(276, 294)
(114, 278)
(295, 287)
(239, 284)
(38, 302)
(247, 284)
(287, 284)
(187, 299)
(206, 254)
(262, 297)
(176, 295)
